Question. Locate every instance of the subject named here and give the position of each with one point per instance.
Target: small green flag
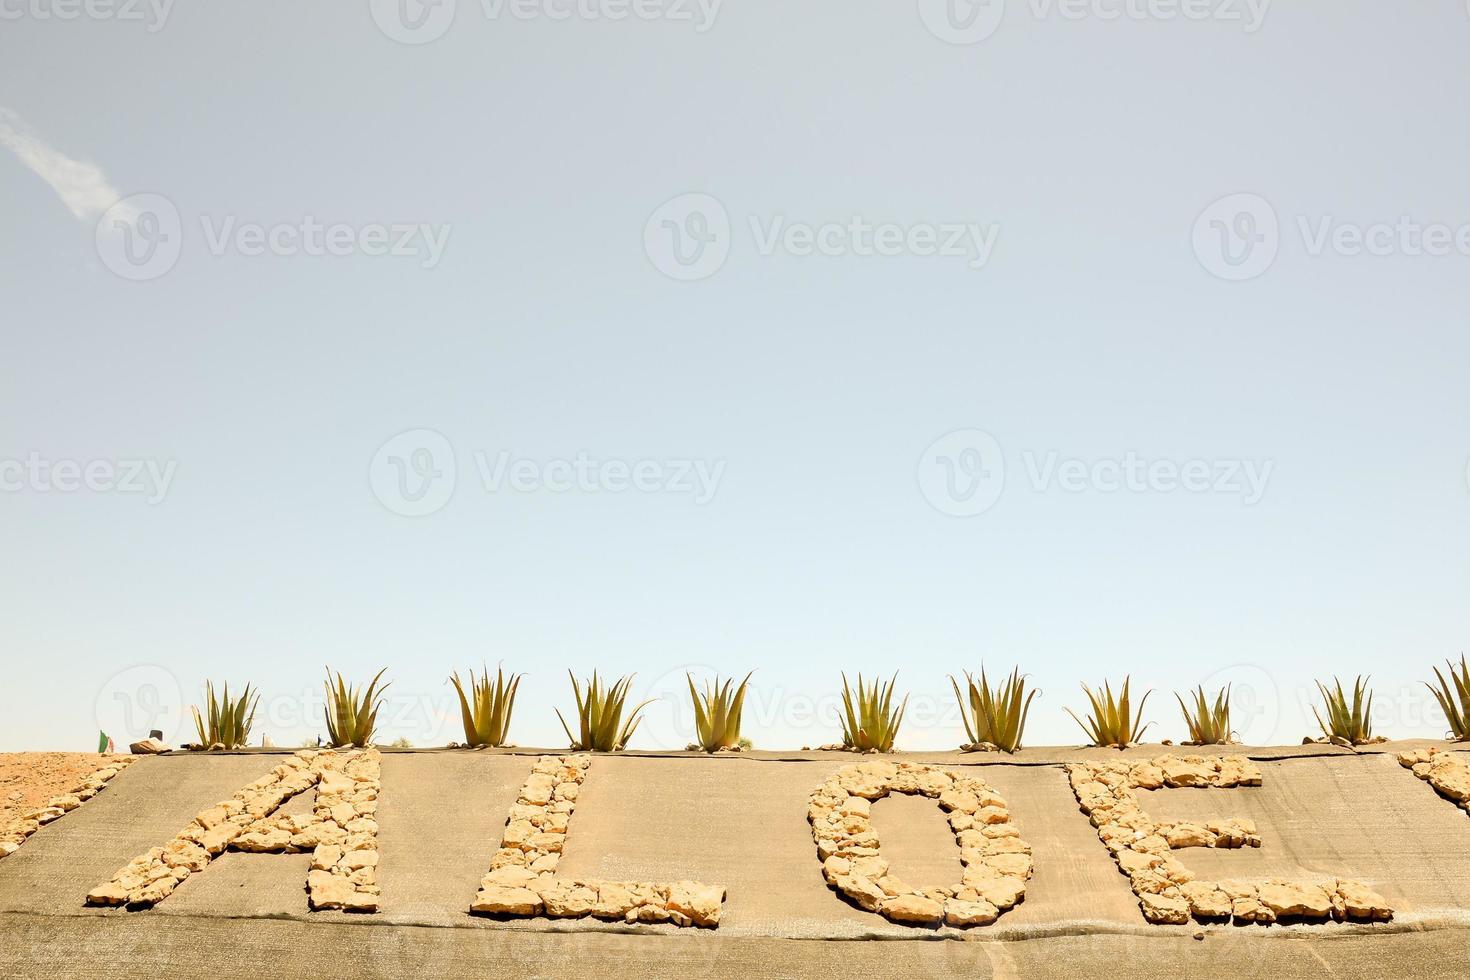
(103, 743)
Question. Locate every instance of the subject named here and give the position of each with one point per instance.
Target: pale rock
(1355, 900)
(700, 903)
(325, 857)
(66, 802)
(1206, 900)
(862, 891)
(510, 877)
(1146, 777)
(1002, 891)
(1191, 771)
(1187, 835)
(538, 789)
(613, 901)
(262, 843)
(1163, 909)
(568, 899)
(959, 801)
(1236, 770)
(518, 833)
(1286, 898)
(991, 814)
(108, 894)
(835, 867)
(893, 887)
(185, 854)
(153, 892)
(1135, 861)
(961, 913)
(506, 901)
(912, 908)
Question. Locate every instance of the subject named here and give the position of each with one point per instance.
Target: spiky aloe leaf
(717, 713)
(601, 726)
(486, 709)
(869, 720)
(999, 713)
(1454, 698)
(352, 716)
(1349, 720)
(1113, 722)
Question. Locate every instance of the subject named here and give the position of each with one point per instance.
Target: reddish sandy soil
(29, 779)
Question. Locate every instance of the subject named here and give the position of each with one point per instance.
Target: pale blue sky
(813, 392)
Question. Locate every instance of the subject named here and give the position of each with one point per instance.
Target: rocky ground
(29, 779)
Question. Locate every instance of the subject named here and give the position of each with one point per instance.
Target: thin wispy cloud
(82, 186)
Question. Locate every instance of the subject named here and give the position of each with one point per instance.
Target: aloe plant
(352, 715)
(601, 727)
(486, 709)
(1113, 721)
(1347, 720)
(999, 713)
(228, 721)
(1209, 724)
(717, 713)
(1456, 701)
(869, 722)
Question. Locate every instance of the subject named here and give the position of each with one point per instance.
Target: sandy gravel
(29, 779)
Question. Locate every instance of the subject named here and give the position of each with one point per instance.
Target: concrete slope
(741, 823)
